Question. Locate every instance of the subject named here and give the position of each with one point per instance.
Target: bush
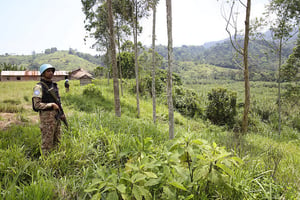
(186, 102)
(222, 107)
(92, 91)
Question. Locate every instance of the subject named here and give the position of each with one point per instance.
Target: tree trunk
(170, 62)
(114, 61)
(153, 64)
(279, 86)
(136, 59)
(120, 66)
(246, 70)
(108, 61)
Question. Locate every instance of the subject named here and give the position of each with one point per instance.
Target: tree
(122, 30)
(113, 59)
(290, 73)
(96, 23)
(284, 17)
(242, 50)
(99, 22)
(139, 9)
(153, 63)
(135, 32)
(291, 68)
(170, 62)
(47, 51)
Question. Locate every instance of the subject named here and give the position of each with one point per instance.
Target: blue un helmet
(44, 67)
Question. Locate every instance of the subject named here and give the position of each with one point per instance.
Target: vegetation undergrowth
(105, 157)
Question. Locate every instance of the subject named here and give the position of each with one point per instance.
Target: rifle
(60, 110)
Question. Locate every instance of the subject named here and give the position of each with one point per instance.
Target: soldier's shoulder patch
(37, 91)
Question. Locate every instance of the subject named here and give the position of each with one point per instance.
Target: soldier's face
(48, 74)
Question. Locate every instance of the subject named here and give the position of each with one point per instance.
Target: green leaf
(199, 142)
(239, 160)
(225, 168)
(183, 172)
(178, 185)
(214, 145)
(136, 192)
(152, 182)
(169, 193)
(189, 197)
(200, 173)
(145, 193)
(121, 188)
(138, 177)
(90, 190)
(150, 174)
(113, 195)
(131, 166)
(93, 187)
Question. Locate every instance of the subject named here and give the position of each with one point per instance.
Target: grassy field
(105, 157)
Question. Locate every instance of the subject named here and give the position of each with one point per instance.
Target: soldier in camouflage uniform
(45, 104)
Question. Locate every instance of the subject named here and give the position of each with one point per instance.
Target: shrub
(186, 102)
(222, 107)
(92, 91)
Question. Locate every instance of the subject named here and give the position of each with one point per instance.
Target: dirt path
(9, 119)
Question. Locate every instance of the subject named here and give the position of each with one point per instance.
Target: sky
(36, 25)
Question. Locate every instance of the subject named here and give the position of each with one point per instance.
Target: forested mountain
(222, 54)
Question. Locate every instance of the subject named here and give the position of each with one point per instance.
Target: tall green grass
(105, 157)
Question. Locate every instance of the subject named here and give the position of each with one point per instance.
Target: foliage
(91, 90)
(187, 102)
(290, 70)
(126, 62)
(145, 61)
(145, 86)
(105, 157)
(11, 67)
(222, 107)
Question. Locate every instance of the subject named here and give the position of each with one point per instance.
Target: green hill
(62, 60)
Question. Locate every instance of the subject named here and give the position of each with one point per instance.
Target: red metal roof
(31, 73)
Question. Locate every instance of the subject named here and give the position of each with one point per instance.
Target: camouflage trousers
(50, 128)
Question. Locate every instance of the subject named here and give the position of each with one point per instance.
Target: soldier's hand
(55, 106)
